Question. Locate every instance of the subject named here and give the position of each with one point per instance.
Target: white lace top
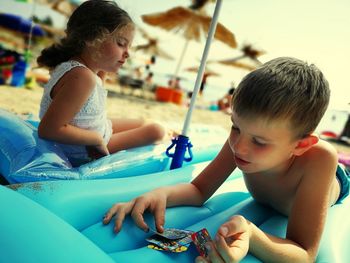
(92, 116)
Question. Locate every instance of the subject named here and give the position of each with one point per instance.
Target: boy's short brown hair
(284, 88)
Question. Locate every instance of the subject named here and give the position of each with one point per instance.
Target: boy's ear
(305, 144)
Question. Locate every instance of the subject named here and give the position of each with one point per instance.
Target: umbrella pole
(182, 142)
(199, 78)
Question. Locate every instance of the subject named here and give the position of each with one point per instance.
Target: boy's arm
(307, 216)
(204, 185)
(156, 201)
(214, 175)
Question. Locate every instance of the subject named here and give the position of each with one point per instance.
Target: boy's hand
(231, 242)
(119, 210)
(154, 201)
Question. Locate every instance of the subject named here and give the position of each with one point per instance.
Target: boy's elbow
(198, 197)
(311, 255)
(308, 255)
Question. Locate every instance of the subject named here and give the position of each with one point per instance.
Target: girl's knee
(157, 131)
(141, 122)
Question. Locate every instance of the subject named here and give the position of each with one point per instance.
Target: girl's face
(115, 50)
(261, 145)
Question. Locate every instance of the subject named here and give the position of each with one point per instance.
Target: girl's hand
(97, 151)
(154, 201)
(231, 242)
(102, 148)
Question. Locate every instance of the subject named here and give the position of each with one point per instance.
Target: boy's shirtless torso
(278, 190)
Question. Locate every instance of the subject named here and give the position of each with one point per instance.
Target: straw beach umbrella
(64, 7)
(248, 52)
(152, 46)
(207, 71)
(237, 64)
(192, 22)
(153, 49)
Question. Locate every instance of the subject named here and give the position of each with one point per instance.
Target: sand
(125, 102)
(121, 103)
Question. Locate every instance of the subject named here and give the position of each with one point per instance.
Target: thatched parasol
(151, 47)
(56, 32)
(192, 22)
(237, 64)
(248, 52)
(207, 72)
(65, 7)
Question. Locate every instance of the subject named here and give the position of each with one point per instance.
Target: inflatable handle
(182, 144)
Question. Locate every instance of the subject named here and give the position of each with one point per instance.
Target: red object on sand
(329, 134)
(177, 97)
(165, 94)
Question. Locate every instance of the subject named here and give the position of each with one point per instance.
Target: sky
(316, 31)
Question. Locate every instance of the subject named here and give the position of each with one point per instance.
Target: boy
(275, 110)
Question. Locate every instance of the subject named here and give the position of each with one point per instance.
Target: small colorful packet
(172, 240)
(173, 233)
(199, 239)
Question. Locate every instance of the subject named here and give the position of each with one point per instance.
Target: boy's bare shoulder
(320, 155)
(323, 149)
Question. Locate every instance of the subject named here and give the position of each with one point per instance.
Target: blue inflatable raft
(24, 157)
(60, 221)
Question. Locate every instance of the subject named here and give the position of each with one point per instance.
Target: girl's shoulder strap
(68, 65)
(74, 63)
(62, 69)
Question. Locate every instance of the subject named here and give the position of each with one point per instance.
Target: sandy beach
(121, 103)
(125, 102)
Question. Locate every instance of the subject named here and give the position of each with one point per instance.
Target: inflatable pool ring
(60, 221)
(24, 157)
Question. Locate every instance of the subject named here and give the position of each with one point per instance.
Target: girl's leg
(128, 133)
(120, 125)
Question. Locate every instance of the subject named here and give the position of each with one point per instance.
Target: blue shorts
(344, 181)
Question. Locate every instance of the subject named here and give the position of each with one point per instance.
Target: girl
(72, 109)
